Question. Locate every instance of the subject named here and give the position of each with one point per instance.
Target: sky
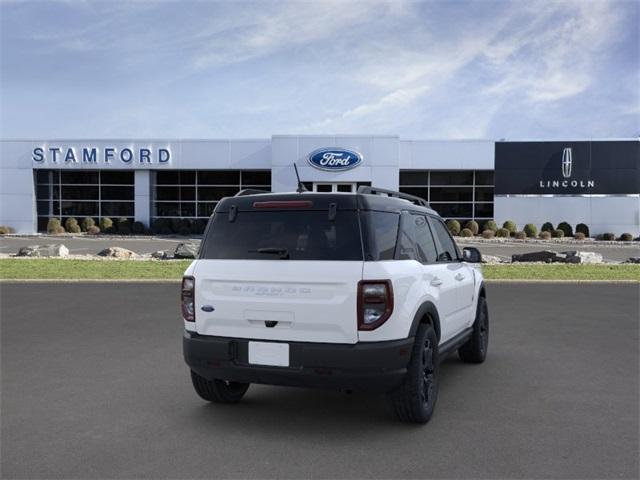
(421, 70)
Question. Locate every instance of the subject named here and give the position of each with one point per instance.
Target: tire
(475, 350)
(218, 391)
(415, 400)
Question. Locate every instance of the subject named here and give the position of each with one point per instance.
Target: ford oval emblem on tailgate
(334, 159)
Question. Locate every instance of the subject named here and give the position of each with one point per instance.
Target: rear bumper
(372, 366)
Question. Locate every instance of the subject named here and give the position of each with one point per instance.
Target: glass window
(188, 177)
(167, 178)
(86, 177)
(168, 193)
(447, 248)
(117, 209)
(484, 194)
(117, 193)
(279, 235)
(420, 177)
(382, 233)
(453, 210)
(79, 192)
(415, 191)
(484, 210)
(76, 209)
(187, 193)
(484, 177)
(454, 177)
(206, 209)
(216, 193)
(167, 209)
(43, 208)
(117, 178)
(451, 194)
(416, 241)
(256, 178)
(42, 191)
(42, 176)
(188, 209)
(219, 177)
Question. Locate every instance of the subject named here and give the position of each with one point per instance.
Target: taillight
(375, 303)
(187, 296)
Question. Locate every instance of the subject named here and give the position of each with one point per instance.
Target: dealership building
(596, 182)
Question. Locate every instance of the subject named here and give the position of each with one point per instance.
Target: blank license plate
(268, 353)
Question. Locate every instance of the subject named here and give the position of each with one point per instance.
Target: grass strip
(62, 269)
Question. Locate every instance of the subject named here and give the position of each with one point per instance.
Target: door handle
(459, 277)
(436, 282)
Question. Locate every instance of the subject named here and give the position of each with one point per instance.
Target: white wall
(602, 214)
(447, 154)
(17, 190)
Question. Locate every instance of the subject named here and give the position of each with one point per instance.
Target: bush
(161, 226)
(547, 227)
(566, 228)
(87, 222)
(4, 229)
(93, 230)
(488, 234)
(71, 225)
(473, 226)
(52, 225)
(583, 228)
(557, 233)
(123, 226)
(510, 225)
(198, 226)
(503, 233)
(520, 235)
(184, 226)
(607, 237)
(626, 237)
(106, 225)
(490, 225)
(58, 230)
(545, 235)
(454, 227)
(530, 230)
(138, 228)
(466, 232)
(579, 236)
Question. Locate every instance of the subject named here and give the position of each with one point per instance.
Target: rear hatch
(274, 270)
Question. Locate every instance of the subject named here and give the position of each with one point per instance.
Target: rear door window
(416, 241)
(447, 249)
(284, 235)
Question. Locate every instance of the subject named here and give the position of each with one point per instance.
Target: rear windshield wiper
(283, 252)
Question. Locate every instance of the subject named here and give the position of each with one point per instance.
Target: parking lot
(94, 386)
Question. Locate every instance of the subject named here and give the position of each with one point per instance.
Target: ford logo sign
(334, 159)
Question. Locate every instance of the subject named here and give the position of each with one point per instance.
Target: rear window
(280, 235)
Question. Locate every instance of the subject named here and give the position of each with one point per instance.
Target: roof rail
(391, 193)
(249, 191)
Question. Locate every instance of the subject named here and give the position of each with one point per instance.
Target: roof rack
(391, 193)
(249, 191)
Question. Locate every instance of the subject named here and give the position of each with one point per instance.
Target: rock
(160, 255)
(186, 250)
(51, 250)
(117, 252)
(491, 259)
(546, 256)
(582, 257)
(632, 260)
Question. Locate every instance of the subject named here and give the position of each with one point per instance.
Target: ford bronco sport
(353, 291)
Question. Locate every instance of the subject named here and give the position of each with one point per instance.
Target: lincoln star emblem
(566, 162)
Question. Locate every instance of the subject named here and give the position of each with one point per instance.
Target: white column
(142, 190)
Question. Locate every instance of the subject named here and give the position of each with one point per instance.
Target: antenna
(301, 188)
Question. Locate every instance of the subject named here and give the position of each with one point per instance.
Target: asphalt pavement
(94, 386)
(141, 245)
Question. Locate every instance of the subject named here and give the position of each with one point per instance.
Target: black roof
(321, 201)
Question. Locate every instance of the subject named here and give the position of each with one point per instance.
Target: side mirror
(471, 255)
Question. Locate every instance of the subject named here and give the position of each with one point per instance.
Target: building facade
(592, 182)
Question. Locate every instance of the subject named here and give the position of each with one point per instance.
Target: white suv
(363, 291)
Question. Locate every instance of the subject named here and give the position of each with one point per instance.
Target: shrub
(583, 228)
(454, 227)
(161, 226)
(503, 233)
(4, 229)
(473, 226)
(530, 230)
(466, 232)
(138, 228)
(52, 225)
(520, 235)
(547, 227)
(557, 233)
(491, 225)
(106, 225)
(545, 235)
(579, 236)
(175, 225)
(87, 222)
(184, 226)
(566, 228)
(488, 234)
(71, 225)
(93, 230)
(123, 226)
(58, 230)
(198, 226)
(626, 237)
(607, 237)
(510, 225)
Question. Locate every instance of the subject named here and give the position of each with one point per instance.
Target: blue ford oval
(334, 159)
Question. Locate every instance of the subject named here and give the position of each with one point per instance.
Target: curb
(177, 280)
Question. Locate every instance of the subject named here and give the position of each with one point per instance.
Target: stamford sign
(334, 159)
(95, 155)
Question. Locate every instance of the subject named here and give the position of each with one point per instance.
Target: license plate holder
(269, 353)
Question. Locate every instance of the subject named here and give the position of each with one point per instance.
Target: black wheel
(475, 350)
(218, 391)
(415, 399)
